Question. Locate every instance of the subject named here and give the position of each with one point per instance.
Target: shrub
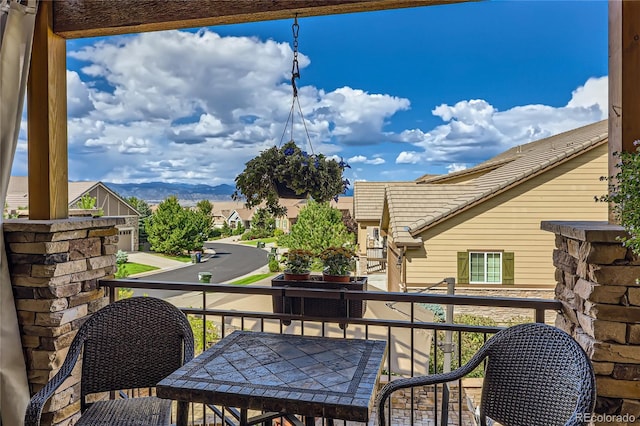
(471, 343)
(121, 257)
(624, 194)
(274, 265)
(122, 271)
(201, 337)
(124, 293)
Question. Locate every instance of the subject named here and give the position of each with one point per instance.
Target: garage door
(125, 237)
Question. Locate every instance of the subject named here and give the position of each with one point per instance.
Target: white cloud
(162, 97)
(456, 167)
(78, 96)
(375, 161)
(475, 130)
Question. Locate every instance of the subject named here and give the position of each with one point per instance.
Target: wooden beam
(47, 121)
(624, 85)
(91, 18)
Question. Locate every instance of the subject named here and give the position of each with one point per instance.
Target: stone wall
(597, 285)
(55, 267)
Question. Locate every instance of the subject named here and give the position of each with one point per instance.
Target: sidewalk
(158, 261)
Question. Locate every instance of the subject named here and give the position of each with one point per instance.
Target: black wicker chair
(535, 375)
(131, 344)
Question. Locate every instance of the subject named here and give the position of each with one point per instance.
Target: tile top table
(310, 376)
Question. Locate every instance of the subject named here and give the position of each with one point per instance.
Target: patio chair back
(130, 344)
(133, 343)
(536, 375)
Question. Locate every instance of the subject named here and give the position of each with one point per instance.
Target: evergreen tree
(204, 209)
(263, 224)
(174, 230)
(145, 211)
(318, 226)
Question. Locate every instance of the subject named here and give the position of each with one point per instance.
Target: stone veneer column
(597, 285)
(55, 267)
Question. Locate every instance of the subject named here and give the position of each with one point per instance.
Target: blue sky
(397, 93)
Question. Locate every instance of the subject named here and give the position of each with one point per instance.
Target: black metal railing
(417, 344)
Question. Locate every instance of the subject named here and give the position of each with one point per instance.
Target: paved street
(229, 262)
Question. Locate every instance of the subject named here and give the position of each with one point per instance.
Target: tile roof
(515, 166)
(369, 197)
(410, 203)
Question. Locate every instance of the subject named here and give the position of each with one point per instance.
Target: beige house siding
(110, 205)
(365, 229)
(511, 222)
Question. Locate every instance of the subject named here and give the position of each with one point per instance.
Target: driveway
(230, 261)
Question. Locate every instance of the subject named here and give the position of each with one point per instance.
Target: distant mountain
(153, 192)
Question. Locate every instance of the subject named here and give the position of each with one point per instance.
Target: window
(485, 268)
(490, 267)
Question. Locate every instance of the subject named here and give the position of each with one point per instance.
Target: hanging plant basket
(286, 192)
(289, 172)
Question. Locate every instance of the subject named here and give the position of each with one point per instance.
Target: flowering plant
(624, 194)
(338, 260)
(298, 261)
(289, 167)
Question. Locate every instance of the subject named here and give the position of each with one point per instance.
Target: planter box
(316, 307)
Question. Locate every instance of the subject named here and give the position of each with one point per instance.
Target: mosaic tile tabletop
(311, 376)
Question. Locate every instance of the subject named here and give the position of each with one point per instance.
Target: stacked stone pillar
(597, 283)
(55, 267)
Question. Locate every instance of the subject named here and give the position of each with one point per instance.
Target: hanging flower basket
(289, 172)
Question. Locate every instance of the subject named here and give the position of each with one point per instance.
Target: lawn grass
(132, 268)
(251, 279)
(255, 242)
(181, 258)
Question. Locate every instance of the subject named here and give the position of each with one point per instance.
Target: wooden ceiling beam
(93, 18)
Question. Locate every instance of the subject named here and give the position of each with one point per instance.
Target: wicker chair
(133, 343)
(535, 375)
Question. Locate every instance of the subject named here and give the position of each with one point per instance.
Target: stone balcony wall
(597, 283)
(55, 267)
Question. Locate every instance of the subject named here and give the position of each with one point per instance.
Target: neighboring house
(482, 225)
(110, 204)
(222, 211)
(240, 217)
(368, 200)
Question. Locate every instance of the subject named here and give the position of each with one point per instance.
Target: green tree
(173, 229)
(318, 226)
(204, 209)
(145, 212)
(86, 202)
(263, 224)
(225, 231)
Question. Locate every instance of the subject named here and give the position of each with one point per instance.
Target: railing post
(447, 348)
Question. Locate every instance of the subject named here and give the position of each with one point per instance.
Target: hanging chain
(295, 70)
(295, 73)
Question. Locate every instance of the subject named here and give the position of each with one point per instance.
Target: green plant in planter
(338, 260)
(297, 261)
(293, 170)
(624, 194)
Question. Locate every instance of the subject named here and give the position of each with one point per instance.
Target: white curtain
(16, 35)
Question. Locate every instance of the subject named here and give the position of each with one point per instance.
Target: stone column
(597, 283)
(55, 266)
